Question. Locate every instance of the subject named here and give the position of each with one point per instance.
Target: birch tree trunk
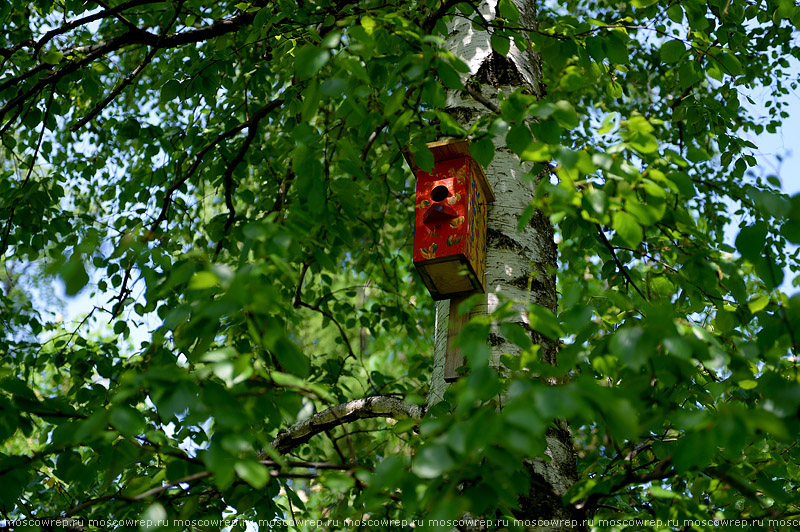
(520, 265)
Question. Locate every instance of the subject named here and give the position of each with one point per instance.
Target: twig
(4, 244)
(482, 99)
(620, 266)
(251, 135)
(258, 115)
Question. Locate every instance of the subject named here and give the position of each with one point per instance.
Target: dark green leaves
(127, 420)
(449, 76)
(432, 461)
(500, 44)
(672, 51)
(630, 346)
(482, 150)
(309, 60)
(751, 241)
(73, 273)
(628, 228)
(252, 472)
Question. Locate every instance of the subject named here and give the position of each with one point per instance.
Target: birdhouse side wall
(476, 244)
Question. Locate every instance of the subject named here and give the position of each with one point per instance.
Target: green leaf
(695, 450)
(252, 472)
(52, 57)
(628, 228)
(369, 24)
(508, 10)
(747, 384)
(449, 76)
(74, 275)
(595, 201)
(423, 157)
(482, 150)
(751, 241)
(309, 60)
(518, 138)
(564, 113)
(500, 44)
(622, 419)
(608, 123)
(758, 303)
(70, 466)
(542, 320)
(769, 271)
(730, 63)
(203, 280)
(630, 346)
(127, 420)
(616, 49)
(291, 359)
(672, 51)
(333, 87)
(514, 333)
(675, 13)
(432, 461)
(170, 90)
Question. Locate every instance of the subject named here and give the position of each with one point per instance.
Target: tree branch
(218, 28)
(257, 116)
(661, 471)
(367, 407)
(480, 98)
(620, 266)
(229, 185)
(87, 19)
(133, 75)
(7, 232)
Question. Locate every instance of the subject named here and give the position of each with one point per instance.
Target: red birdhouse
(450, 221)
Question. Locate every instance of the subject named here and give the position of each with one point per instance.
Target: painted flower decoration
(452, 240)
(453, 199)
(429, 252)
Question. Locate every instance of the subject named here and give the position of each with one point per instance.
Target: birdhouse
(450, 221)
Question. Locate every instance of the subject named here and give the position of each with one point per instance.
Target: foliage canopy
(229, 177)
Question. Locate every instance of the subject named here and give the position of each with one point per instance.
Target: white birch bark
(520, 264)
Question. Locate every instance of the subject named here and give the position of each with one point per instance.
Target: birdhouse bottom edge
(448, 277)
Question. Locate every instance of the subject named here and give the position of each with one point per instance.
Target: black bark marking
(498, 240)
(497, 70)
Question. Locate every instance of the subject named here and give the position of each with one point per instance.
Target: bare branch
(367, 407)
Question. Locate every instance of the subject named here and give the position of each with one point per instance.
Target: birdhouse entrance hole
(440, 193)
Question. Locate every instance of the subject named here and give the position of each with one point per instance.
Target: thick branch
(661, 471)
(98, 50)
(368, 407)
(109, 12)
